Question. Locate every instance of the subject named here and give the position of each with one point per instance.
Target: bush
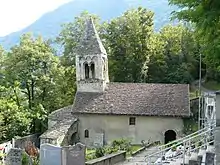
(36, 160)
(116, 145)
(90, 157)
(122, 144)
(110, 150)
(25, 159)
(99, 152)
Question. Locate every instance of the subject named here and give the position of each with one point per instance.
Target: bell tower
(91, 62)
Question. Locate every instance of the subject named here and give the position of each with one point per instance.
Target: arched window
(93, 70)
(86, 71)
(86, 133)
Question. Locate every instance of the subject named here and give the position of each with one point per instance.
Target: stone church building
(103, 111)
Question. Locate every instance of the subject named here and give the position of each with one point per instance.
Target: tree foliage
(34, 81)
(71, 35)
(128, 39)
(205, 17)
(175, 56)
(33, 84)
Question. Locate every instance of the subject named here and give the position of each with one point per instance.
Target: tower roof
(91, 42)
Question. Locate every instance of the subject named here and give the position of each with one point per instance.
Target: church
(103, 111)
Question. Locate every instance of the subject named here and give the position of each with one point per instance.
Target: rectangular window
(132, 121)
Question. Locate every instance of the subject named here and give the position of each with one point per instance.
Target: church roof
(136, 99)
(91, 42)
(59, 129)
(64, 120)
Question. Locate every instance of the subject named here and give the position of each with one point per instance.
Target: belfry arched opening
(169, 136)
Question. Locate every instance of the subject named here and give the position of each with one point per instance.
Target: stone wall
(20, 142)
(109, 159)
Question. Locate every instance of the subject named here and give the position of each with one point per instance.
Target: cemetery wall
(20, 142)
(108, 159)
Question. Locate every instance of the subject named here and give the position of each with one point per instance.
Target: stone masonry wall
(20, 142)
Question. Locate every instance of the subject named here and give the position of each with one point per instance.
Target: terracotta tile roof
(136, 99)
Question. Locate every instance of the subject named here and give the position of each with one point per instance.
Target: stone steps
(202, 157)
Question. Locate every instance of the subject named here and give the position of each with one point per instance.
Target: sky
(18, 14)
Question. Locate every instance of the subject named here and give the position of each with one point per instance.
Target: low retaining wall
(138, 151)
(110, 159)
(144, 147)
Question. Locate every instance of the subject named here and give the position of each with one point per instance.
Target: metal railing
(190, 143)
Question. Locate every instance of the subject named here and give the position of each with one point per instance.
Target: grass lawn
(212, 85)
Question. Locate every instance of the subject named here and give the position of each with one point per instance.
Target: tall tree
(33, 65)
(205, 16)
(14, 119)
(175, 56)
(128, 45)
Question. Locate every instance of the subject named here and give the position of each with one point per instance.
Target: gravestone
(99, 140)
(50, 154)
(14, 156)
(74, 155)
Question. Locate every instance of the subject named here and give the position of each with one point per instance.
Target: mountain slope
(49, 25)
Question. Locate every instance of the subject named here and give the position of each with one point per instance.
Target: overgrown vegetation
(115, 146)
(34, 81)
(212, 85)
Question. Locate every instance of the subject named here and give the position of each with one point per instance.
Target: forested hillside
(34, 81)
(49, 25)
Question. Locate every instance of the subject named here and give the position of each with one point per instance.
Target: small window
(86, 133)
(132, 120)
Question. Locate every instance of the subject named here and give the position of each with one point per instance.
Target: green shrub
(110, 150)
(122, 144)
(116, 145)
(36, 160)
(25, 159)
(90, 157)
(99, 152)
